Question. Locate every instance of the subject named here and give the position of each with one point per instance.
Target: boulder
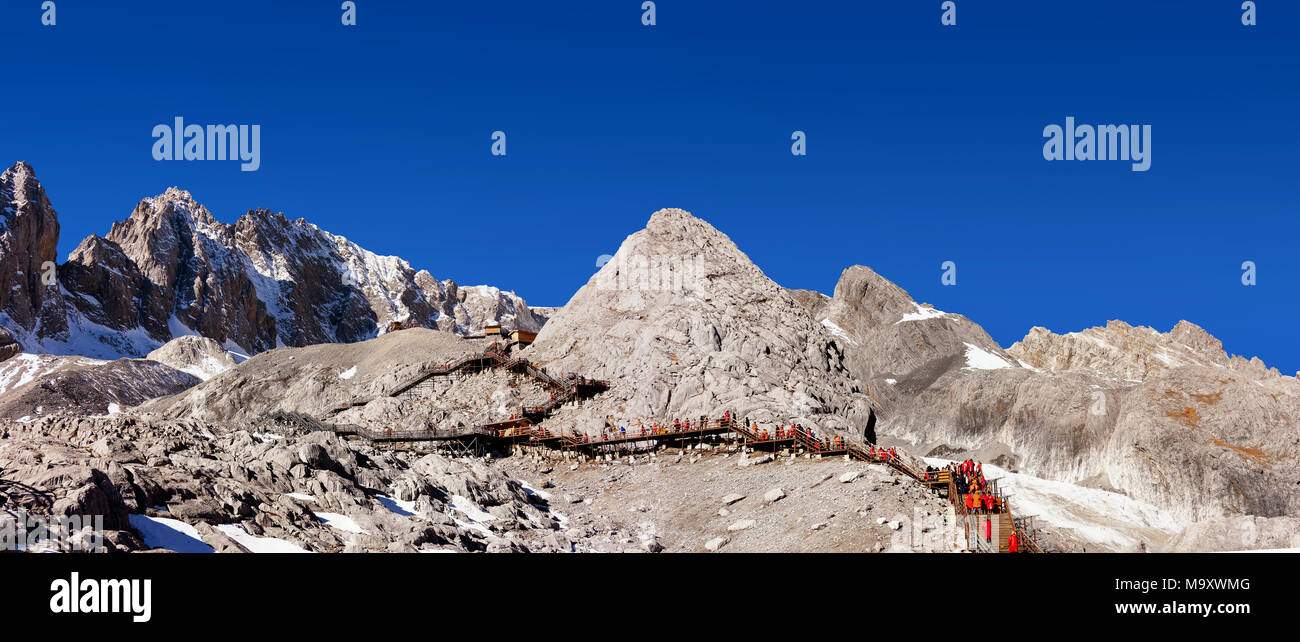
(741, 525)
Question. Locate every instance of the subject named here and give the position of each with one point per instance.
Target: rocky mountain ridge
(171, 269)
(1166, 418)
(1121, 351)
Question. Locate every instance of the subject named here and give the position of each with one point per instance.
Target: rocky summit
(713, 335)
(265, 385)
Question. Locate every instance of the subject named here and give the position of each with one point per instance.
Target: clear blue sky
(924, 141)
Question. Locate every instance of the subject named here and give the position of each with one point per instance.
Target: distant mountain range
(171, 269)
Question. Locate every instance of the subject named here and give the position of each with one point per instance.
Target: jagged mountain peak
(881, 300)
(18, 187)
(174, 201)
(20, 170)
(894, 338)
(172, 268)
(29, 238)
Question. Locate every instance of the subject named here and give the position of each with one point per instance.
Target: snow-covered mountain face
(172, 269)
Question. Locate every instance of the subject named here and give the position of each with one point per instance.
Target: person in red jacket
(988, 530)
(1013, 543)
(970, 502)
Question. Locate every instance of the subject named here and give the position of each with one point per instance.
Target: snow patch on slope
(922, 312)
(259, 544)
(838, 331)
(978, 358)
(1111, 520)
(169, 534)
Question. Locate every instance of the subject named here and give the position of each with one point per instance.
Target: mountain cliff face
(683, 324)
(29, 238)
(172, 269)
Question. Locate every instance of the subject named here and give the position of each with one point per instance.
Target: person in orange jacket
(970, 502)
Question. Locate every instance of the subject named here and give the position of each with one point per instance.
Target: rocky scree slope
(314, 380)
(288, 485)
